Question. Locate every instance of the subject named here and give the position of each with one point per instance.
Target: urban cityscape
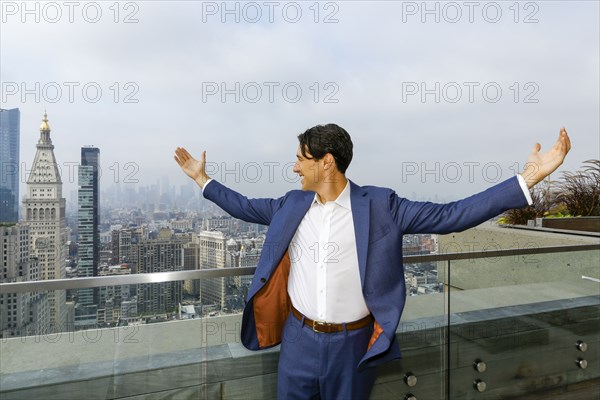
(118, 231)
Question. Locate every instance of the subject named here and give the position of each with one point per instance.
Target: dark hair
(331, 138)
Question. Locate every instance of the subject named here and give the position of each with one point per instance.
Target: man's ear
(328, 160)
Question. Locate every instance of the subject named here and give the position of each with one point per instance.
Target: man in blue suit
(329, 285)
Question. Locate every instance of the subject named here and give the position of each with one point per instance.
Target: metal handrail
(156, 277)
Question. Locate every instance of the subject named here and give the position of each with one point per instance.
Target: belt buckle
(316, 324)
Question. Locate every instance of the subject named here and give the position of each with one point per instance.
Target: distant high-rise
(9, 154)
(88, 234)
(44, 212)
(25, 313)
(111, 298)
(163, 254)
(213, 250)
(191, 261)
(88, 213)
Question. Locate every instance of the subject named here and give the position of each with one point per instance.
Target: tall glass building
(9, 160)
(88, 234)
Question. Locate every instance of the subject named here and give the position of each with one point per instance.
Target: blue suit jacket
(380, 219)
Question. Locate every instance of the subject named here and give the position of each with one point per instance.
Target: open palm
(195, 169)
(539, 165)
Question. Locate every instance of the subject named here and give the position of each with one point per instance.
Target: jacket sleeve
(258, 211)
(425, 217)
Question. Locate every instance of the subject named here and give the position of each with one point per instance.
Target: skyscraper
(163, 254)
(88, 234)
(9, 168)
(213, 254)
(26, 313)
(44, 212)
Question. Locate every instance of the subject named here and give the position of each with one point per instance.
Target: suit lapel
(296, 215)
(285, 233)
(360, 215)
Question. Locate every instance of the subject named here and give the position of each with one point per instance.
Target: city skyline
(506, 82)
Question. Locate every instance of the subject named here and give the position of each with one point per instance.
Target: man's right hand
(195, 169)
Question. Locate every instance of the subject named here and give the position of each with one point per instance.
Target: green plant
(576, 194)
(557, 215)
(580, 191)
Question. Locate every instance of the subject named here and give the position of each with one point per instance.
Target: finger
(563, 143)
(184, 151)
(180, 162)
(183, 154)
(567, 139)
(536, 148)
(203, 158)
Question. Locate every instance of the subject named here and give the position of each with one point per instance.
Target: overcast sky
(463, 98)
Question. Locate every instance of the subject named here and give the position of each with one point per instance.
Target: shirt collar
(342, 200)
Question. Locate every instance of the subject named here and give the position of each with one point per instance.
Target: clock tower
(44, 212)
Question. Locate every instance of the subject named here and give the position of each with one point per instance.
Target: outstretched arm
(195, 169)
(259, 211)
(425, 217)
(539, 166)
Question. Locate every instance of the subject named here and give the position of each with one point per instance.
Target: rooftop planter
(573, 202)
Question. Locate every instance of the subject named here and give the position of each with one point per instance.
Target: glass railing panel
(192, 349)
(523, 323)
(421, 336)
(133, 346)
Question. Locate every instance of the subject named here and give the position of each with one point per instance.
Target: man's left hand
(540, 166)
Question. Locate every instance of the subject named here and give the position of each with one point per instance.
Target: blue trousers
(315, 365)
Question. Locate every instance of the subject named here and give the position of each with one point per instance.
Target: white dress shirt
(324, 282)
(525, 189)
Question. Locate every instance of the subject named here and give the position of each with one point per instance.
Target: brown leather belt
(327, 327)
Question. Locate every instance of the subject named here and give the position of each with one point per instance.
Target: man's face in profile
(309, 170)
